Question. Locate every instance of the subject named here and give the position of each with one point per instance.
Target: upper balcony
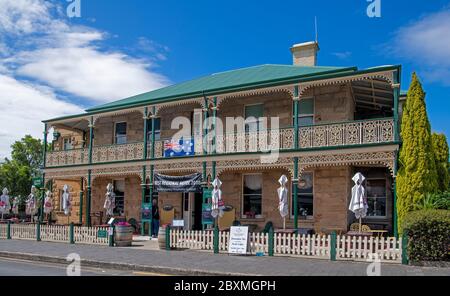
(331, 113)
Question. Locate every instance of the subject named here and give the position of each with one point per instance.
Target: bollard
(333, 246)
(405, 260)
(216, 240)
(111, 235)
(8, 230)
(71, 234)
(38, 231)
(168, 237)
(271, 241)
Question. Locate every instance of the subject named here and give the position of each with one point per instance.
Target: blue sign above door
(181, 147)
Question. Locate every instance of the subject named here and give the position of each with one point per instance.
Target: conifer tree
(440, 147)
(417, 171)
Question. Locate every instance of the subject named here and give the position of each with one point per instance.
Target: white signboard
(238, 240)
(178, 223)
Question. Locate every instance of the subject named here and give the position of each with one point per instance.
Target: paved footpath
(200, 263)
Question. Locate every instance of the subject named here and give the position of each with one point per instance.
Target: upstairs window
(157, 129)
(305, 112)
(120, 133)
(67, 144)
(253, 113)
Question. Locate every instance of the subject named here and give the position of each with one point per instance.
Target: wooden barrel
(162, 238)
(123, 236)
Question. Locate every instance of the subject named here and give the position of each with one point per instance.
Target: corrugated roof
(222, 81)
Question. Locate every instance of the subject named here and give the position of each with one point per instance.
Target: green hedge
(428, 235)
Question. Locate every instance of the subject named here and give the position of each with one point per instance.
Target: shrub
(428, 235)
(435, 201)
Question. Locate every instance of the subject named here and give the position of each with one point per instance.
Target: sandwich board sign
(238, 240)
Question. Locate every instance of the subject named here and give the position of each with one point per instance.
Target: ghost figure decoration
(283, 197)
(48, 203)
(67, 204)
(5, 206)
(217, 205)
(31, 202)
(15, 206)
(358, 204)
(110, 200)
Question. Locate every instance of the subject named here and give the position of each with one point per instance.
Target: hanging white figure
(15, 206)
(31, 202)
(283, 199)
(110, 200)
(67, 204)
(358, 204)
(5, 206)
(217, 202)
(48, 203)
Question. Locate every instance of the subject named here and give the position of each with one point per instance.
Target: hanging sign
(190, 183)
(146, 212)
(238, 243)
(37, 182)
(207, 218)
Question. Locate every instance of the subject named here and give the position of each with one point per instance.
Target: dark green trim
(271, 242)
(168, 237)
(38, 231)
(333, 240)
(8, 230)
(152, 155)
(295, 193)
(111, 235)
(394, 202)
(89, 197)
(81, 201)
(214, 173)
(143, 189)
(205, 129)
(71, 234)
(216, 240)
(91, 138)
(296, 127)
(214, 118)
(405, 259)
(145, 133)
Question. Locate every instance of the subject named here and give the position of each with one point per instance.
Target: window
(305, 196)
(306, 112)
(119, 190)
(252, 115)
(252, 196)
(68, 144)
(121, 133)
(376, 197)
(157, 129)
(61, 200)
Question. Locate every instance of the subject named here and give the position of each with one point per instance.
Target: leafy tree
(440, 147)
(16, 173)
(417, 174)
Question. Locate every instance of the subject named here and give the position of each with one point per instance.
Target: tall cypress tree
(417, 173)
(440, 147)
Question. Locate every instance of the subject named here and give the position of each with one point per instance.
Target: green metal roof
(229, 80)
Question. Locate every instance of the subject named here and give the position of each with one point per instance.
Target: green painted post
(44, 160)
(168, 238)
(153, 133)
(8, 230)
(91, 138)
(145, 133)
(214, 170)
(216, 240)
(80, 219)
(205, 129)
(394, 208)
(38, 231)
(396, 105)
(72, 234)
(143, 190)
(333, 240)
(295, 193)
(271, 241)
(296, 105)
(214, 114)
(405, 260)
(88, 202)
(150, 187)
(111, 236)
(41, 208)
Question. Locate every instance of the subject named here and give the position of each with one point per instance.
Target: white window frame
(258, 122)
(69, 141)
(115, 134)
(243, 216)
(305, 115)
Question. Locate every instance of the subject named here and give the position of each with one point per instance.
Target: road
(15, 267)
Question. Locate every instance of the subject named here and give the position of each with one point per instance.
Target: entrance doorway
(197, 211)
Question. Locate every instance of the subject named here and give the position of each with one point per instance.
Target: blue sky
(52, 65)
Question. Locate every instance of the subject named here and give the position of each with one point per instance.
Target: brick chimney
(305, 54)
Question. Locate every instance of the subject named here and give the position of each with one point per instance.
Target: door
(186, 196)
(197, 211)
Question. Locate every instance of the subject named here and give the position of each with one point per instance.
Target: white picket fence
(56, 233)
(287, 244)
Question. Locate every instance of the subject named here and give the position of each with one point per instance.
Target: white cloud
(426, 43)
(342, 55)
(24, 106)
(38, 43)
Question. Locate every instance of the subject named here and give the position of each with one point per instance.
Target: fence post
(216, 240)
(71, 234)
(111, 235)
(271, 241)
(333, 246)
(38, 231)
(405, 260)
(168, 237)
(8, 230)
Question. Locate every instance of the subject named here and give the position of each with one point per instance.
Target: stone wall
(104, 128)
(66, 133)
(74, 190)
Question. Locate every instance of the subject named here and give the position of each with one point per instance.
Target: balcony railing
(316, 136)
(347, 134)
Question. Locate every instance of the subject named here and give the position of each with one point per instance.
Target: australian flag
(182, 147)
